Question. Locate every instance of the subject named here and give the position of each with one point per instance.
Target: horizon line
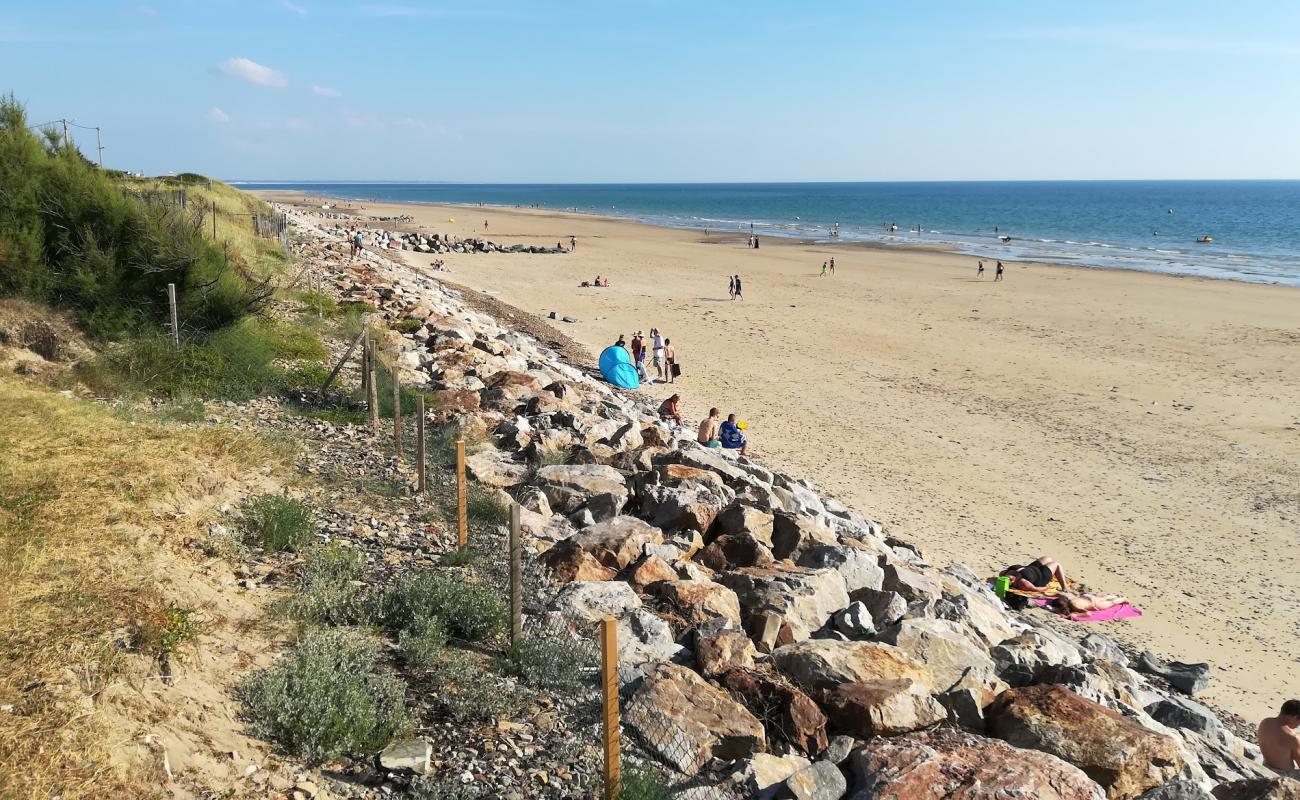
(749, 183)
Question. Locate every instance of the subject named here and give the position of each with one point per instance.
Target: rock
(567, 562)
(885, 608)
(762, 776)
(618, 541)
(1099, 680)
(1179, 712)
(744, 518)
(686, 722)
(804, 598)
(838, 749)
(821, 664)
(1119, 754)
(588, 602)
(535, 500)
(1178, 790)
(943, 646)
(949, 764)
(685, 498)
(644, 638)
(1019, 661)
(1186, 678)
(727, 650)
(736, 550)
(649, 570)
(882, 707)
(411, 755)
(820, 781)
(792, 713)
(977, 609)
(1099, 645)
(698, 602)
(912, 584)
(859, 565)
(966, 700)
(488, 468)
(571, 486)
(1259, 789)
(792, 534)
(854, 622)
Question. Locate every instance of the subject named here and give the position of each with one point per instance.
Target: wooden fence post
(516, 580)
(397, 407)
(176, 327)
(609, 702)
(462, 515)
(214, 220)
(419, 443)
(372, 394)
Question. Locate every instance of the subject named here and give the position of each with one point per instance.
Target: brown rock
(745, 518)
(617, 542)
(724, 651)
(949, 764)
(567, 562)
(793, 533)
(649, 570)
(1123, 757)
(735, 550)
(821, 664)
(686, 722)
(698, 602)
(793, 714)
(881, 707)
(1259, 789)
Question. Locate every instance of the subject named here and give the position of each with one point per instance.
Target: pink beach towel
(1121, 611)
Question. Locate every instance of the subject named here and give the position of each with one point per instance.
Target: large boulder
(911, 583)
(618, 541)
(1259, 789)
(1022, 659)
(1177, 790)
(1122, 756)
(569, 487)
(881, 707)
(684, 498)
(588, 602)
(943, 646)
(820, 664)
(698, 602)
(746, 518)
(949, 764)
(490, 469)
(723, 651)
(804, 598)
(761, 777)
(733, 551)
(792, 714)
(822, 780)
(1186, 678)
(859, 564)
(792, 535)
(686, 722)
(644, 638)
(567, 561)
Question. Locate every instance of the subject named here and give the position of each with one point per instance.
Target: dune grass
(80, 533)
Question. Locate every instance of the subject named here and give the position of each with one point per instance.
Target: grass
(465, 690)
(327, 697)
(644, 783)
(422, 643)
(277, 523)
(80, 538)
(162, 633)
(552, 661)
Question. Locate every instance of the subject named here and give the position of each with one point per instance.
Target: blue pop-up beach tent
(616, 366)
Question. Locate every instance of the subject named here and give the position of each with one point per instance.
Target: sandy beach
(1143, 429)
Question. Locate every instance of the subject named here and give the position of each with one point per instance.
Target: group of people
(713, 430)
(831, 264)
(735, 289)
(658, 351)
(979, 271)
(753, 242)
(354, 239)
(599, 281)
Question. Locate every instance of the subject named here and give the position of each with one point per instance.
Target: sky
(660, 90)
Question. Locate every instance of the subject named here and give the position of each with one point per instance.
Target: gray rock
(1179, 712)
(645, 638)
(1099, 645)
(910, 583)
(411, 755)
(854, 622)
(838, 749)
(590, 601)
(1186, 678)
(820, 781)
(860, 567)
(571, 486)
(1176, 790)
(885, 608)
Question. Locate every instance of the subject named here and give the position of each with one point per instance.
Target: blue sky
(659, 90)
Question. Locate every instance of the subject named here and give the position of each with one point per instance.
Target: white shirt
(658, 342)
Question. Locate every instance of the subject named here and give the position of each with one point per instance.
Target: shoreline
(772, 234)
(1136, 428)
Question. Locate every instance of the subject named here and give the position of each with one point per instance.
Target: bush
(644, 783)
(554, 661)
(471, 611)
(407, 325)
(484, 507)
(422, 642)
(326, 697)
(161, 633)
(466, 691)
(277, 523)
(328, 593)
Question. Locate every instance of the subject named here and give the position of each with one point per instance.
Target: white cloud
(394, 11)
(217, 115)
(253, 72)
(287, 5)
(325, 91)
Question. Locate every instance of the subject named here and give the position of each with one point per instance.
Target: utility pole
(99, 144)
(65, 133)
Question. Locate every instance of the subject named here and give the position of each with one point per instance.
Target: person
(998, 275)
(731, 287)
(1278, 741)
(670, 410)
(596, 282)
(1075, 603)
(573, 243)
(484, 225)
(621, 342)
(730, 435)
(823, 269)
(637, 345)
(356, 243)
(738, 295)
(709, 429)
(755, 242)
(833, 260)
(1035, 575)
(670, 360)
(657, 342)
(979, 273)
(640, 364)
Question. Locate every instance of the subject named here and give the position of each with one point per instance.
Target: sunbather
(1074, 603)
(1036, 575)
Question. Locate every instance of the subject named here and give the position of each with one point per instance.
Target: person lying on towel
(1035, 575)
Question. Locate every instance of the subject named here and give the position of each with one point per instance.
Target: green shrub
(460, 557)
(326, 697)
(314, 303)
(277, 523)
(484, 507)
(422, 642)
(465, 690)
(554, 661)
(163, 632)
(471, 611)
(644, 783)
(328, 590)
(407, 326)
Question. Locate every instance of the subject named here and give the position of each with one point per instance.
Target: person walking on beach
(823, 269)
(731, 288)
(998, 275)
(573, 243)
(485, 226)
(637, 344)
(833, 263)
(979, 273)
(670, 360)
(657, 343)
(738, 295)
(1278, 740)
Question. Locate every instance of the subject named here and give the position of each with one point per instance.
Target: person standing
(738, 295)
(823, 269)
(637, 346)
(485, 226)
(731, 287)
(573, 242)
(833, 264)
(657, 342)
(670, 360)
(979, 273)
(998, 275)
(356, 242)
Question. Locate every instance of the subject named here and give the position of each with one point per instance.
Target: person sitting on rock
(1279, 742)
(1036, 575)
(732, 438)
(670, 410)
(709, 429)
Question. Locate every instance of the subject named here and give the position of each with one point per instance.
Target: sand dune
(1143, 429)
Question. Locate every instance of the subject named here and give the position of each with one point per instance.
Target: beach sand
(1142, 429)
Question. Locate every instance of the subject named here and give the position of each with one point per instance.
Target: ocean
(1141, 225)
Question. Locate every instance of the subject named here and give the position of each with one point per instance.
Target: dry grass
(81, 526)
